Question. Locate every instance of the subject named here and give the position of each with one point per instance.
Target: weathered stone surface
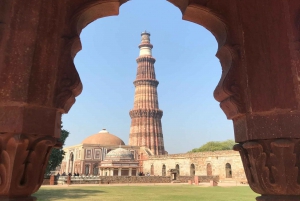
(146, 128)
(258, 47)
(217, 161)
(272, 166)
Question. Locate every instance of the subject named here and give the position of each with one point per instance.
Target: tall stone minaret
(146, 129)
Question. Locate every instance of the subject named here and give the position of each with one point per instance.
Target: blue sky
(186, 68)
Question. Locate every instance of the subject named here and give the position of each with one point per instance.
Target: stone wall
(135, 179)
(126, 179)
(111, 179)
(202, 179)
(217, 160)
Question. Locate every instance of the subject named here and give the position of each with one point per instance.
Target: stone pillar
(91, 169)
(259, 90)
(52, 179)
(67, 161)
(119, 171)
(196, 179)
(38, 82)
(69, 180)
(111, 172)
(130, 172)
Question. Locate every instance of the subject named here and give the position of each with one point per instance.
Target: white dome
(119, 154)
(103, 131)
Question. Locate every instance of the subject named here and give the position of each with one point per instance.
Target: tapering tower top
(145, 46)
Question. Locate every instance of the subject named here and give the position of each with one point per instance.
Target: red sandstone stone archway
(259, 87)
(152, 170)
(228, 170)
(192, 170)
(208, 169)
(164, 170)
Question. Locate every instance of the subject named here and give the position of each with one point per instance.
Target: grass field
(149, 193)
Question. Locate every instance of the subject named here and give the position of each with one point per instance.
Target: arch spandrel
(195, 11)
(206, 14)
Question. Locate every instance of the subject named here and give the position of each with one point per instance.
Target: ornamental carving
(272, 166)
(146, 59)
(155, 113)
(23, 159)
(69, 85)
(146, 82)
(228, 90)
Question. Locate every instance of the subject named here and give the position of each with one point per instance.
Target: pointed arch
(228, 170)
(164, 170)
(209, 169)
(192, 170)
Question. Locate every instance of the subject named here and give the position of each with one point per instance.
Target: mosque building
(105, 154)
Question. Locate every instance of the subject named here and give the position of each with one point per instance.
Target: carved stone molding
(69, 85)
(272, 167)
(146, 82)
(23, 159)
(278, 198)
(145, 45)
(228, 90)
(156, 113)
(146, 59)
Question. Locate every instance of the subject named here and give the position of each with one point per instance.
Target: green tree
(215, 146)
(57, 155)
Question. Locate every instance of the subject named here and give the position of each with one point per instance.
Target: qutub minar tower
(146, 129)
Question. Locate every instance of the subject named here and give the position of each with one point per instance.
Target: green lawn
(149, 193)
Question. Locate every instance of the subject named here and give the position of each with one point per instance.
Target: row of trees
(215, 146)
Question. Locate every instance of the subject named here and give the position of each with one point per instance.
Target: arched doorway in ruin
(87, 169)
(164, 171)
(208, 169)
(228, 170)
(192, 170)
(95, 169)
(71, 163)
(178, 169)
(152, 170)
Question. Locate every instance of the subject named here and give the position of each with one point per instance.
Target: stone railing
(126, 179)
(78, 179)
(196, 154)
(134, 179)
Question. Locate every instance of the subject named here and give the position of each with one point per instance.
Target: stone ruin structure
(258, 48)
(104, 154)
(226, 165)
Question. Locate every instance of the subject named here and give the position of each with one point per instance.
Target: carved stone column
(258, 48)
(38, 82)
(272, 168)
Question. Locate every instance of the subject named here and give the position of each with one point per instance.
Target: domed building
(119, 162)
(102, 154)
